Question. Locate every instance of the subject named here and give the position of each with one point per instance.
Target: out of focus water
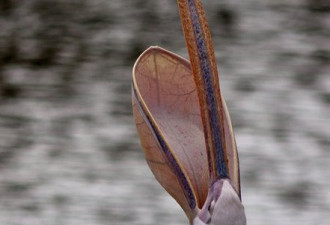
(69, 153)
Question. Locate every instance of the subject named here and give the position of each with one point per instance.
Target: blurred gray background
(69, 152)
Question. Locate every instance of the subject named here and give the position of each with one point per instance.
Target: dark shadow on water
(297, 195)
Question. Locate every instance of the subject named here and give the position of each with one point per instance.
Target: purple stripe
(210, 95)
(170, 158)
